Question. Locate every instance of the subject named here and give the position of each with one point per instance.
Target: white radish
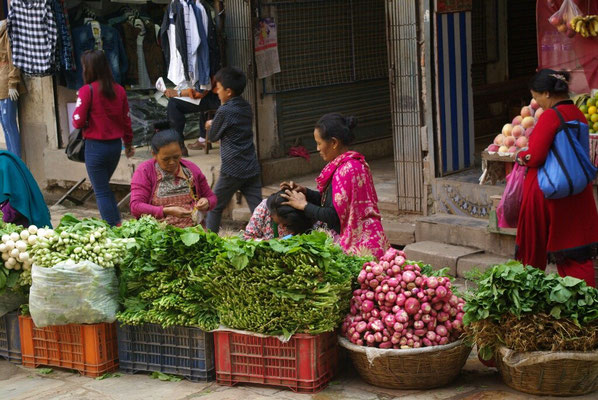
(23, 256)
(5, 256)
(5, 238)
(10, 244)
(21, 245)
(41, 232)
(11, 261)
(25, 234)
(2, 248)
(32, 239)
(17, 267)
(15, 236)
(7, 265)
(32, 229)
(14, 253)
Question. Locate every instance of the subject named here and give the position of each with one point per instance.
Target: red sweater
(109, 118)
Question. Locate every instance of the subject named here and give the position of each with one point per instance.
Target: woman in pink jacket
(170, 188)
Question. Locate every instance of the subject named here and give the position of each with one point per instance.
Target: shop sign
(452, 6)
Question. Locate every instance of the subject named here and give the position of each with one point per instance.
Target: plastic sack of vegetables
(562, 18)
(73, 293)
(507, 211)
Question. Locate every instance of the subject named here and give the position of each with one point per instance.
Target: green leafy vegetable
(512, 288)
(165, 377)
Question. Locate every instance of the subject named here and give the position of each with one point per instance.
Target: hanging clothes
(111, 43)
(193, 40)
(214, 45)
(33, 36)
(174, 43)
(202, 71)
(142, 49)
(65, 53)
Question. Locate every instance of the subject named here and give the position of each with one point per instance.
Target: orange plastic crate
(89, 349)
(306, 363)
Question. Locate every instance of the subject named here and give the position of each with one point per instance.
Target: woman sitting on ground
(168, 187)
(346, 199)
(272, 220)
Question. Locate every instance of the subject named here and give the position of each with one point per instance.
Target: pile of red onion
(398, 307)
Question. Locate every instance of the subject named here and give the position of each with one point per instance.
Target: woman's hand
(129, 151)
(295, 199)
(202, 204)
(179, 212)
(292, 186)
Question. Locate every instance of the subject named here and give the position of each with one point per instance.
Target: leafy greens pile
(162, 279)
(301, 284)
(526, 310)
(512, 288)
(189, 277)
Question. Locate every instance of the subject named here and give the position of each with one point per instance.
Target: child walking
(233, 127)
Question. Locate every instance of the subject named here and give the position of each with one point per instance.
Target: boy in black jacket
(233, 127)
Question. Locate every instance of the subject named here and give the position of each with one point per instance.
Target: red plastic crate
(89, 349)
(306, 363)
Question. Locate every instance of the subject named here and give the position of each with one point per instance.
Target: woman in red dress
(563, 231)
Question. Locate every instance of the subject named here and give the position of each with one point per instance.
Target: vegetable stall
(540, 330)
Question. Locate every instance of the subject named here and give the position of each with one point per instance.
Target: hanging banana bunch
(586, 26)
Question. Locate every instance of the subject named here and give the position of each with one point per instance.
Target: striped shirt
(233, 126)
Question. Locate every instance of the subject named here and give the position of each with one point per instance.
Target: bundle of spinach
(162, 278)
(301, 284)
(514, 289)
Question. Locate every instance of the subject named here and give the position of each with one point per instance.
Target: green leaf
(165, 377)
(486, 353)
(2, 279)
(556, 312)
(190, 238)
(108, 375)
(13, 278)
(240, 261)
(45, 371)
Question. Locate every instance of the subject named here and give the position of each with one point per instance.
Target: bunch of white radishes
(15, 247)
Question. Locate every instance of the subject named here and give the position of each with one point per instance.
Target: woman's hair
(96, 68)
(335, 125)
(161, 125)
(164, 138)
(551, 81)
(296, 221)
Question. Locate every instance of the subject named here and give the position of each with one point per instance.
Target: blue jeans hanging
(8, 114)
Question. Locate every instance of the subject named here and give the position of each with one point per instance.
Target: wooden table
(495, 167)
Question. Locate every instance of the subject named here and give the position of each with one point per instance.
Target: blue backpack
(567, 169)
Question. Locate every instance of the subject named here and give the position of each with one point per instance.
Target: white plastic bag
(561, 19)
(69, 293)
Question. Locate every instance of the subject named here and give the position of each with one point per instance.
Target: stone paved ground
(476, 382)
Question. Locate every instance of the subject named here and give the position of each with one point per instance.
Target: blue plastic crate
(184, 351)
(10, 339)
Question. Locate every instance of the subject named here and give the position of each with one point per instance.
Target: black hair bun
(561, 86)
(351, 122)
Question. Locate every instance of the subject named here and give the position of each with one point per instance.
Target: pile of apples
(515, 135)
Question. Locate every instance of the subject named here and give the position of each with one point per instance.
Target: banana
(578, 26)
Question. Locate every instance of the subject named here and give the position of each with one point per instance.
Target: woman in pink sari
(346, 199)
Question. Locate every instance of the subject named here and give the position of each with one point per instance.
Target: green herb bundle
(300, 284)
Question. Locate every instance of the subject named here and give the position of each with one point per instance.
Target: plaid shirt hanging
(33, 35)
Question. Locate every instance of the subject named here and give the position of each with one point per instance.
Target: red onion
(408, 267)
(370, 276)
(374, 284)
(375, 313)
(370, 295)
(418, 281)
(401, 299)
(398, 327)
(378, 337)
(395, 309)
(385, 288)
(359, 342)
(441, 330)
(443, 340)
(408, 276)
(426, 342)
(442, 317)
(377, 269)
(393, 282)
(426, 318)
(380, 297)
(432, 282)
(396, 269)
(418, 325)
(386, 345)
(441, 292)
(412, 306)
(446, 307)
(410, 342)
(367, 306)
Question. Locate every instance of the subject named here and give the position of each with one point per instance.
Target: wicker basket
(549, 373)
(423, 368)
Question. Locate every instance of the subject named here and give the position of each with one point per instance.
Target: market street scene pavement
(476, 382)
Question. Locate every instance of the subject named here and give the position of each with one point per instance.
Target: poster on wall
(266, 48)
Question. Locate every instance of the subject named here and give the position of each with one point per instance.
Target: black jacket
(213, 45)
(178, 16)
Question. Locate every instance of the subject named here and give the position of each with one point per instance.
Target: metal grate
(405, 103)
(327, 42)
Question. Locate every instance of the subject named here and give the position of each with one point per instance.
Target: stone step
(399, 233)
(480, 261)
(464, 231)
(439, 255)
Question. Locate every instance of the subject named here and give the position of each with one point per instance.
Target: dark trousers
(177, 109)
(101, 160)
(225, 189)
